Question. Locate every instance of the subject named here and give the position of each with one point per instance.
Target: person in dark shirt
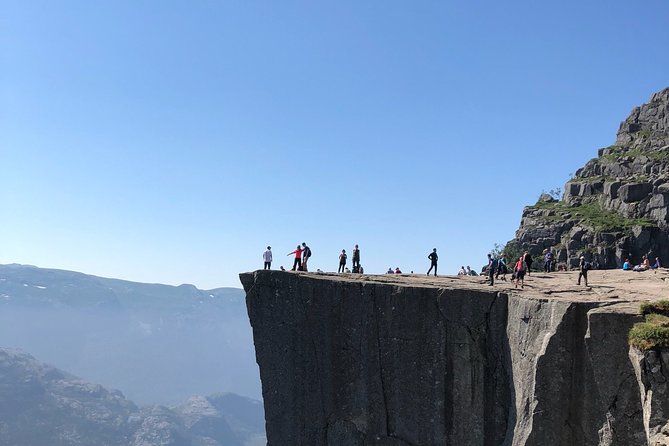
(433, 261)
(528, 261)
(306, 254)
(583, 268)
(356, 258)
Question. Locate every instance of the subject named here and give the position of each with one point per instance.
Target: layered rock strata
(406, 361)
(617, 205)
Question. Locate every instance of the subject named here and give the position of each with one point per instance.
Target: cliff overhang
(408, 360)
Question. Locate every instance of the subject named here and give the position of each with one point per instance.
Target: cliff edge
(407, 360)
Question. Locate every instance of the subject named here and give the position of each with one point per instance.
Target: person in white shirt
(267, 257)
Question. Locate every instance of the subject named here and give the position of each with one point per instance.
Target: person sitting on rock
(656, 265)
(643, 266)
(627, 266)
(397, 270)
(390, 271)
(462, 271)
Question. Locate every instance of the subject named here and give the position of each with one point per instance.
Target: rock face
(43, 406)
(617, 205)
(373, 360)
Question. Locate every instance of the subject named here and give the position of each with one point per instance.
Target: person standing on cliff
(492, 269)
(528, 261)
(433, 262)
(342, 261)
(583, 268)
(519, 271)
(356, 259)
(297, 264)
(267, 258)
(306, 254)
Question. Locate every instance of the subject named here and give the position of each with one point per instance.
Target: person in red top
(298, 258)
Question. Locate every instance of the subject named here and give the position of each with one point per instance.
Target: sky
(171, 142)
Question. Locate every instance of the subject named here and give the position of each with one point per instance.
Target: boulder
(632, 192)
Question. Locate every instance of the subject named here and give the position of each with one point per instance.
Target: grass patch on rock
(652, 334)
(659, 307)
(591, 213)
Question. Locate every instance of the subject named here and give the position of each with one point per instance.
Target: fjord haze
(171, 142)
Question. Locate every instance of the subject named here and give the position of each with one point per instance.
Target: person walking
(297, 264)
(342, 261)
(356, 259)
(519, 271)
(267, 258)
(583, 268)
(433, 261)
(306, 254)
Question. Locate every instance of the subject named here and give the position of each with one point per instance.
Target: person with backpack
(267, 258)
(297, 264)
(342, 261)
(501, 268)
(356, 258)
(492, 269)
(433, 262)
(306, 254)
(583, 268)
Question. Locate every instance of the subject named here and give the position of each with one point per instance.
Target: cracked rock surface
(406, 360)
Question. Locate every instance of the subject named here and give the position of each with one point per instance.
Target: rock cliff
(405, 361)
(617, 205)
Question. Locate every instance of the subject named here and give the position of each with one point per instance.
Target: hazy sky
(166, 141)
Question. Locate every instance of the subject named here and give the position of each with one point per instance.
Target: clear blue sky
(170, 142)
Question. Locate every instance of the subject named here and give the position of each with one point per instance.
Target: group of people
(357, 268)
(643, 266)
(497, 267)
(466, 271)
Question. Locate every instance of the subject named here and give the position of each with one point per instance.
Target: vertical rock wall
(357, 363)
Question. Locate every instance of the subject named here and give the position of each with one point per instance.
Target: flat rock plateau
(408, 360)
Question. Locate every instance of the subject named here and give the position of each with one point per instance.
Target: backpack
(307, 252)
(494, 264)
(587, 266)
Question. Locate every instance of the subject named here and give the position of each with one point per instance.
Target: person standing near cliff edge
(297, 264)
(356, 259)
(267, 258)
(306, 254)
(342, 261)
(433, 261)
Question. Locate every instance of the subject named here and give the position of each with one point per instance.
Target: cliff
(617, 205)
(407, 361)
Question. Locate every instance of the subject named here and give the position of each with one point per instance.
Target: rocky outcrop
(652, 373)
(617, 205)
(374, 360)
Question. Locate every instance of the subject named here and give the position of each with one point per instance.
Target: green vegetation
(648, 336)
(654, 332)
(617, 153)
(592, 214)
(659, 307)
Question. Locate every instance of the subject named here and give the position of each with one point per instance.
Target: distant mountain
(43, 406)
(157, 343)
